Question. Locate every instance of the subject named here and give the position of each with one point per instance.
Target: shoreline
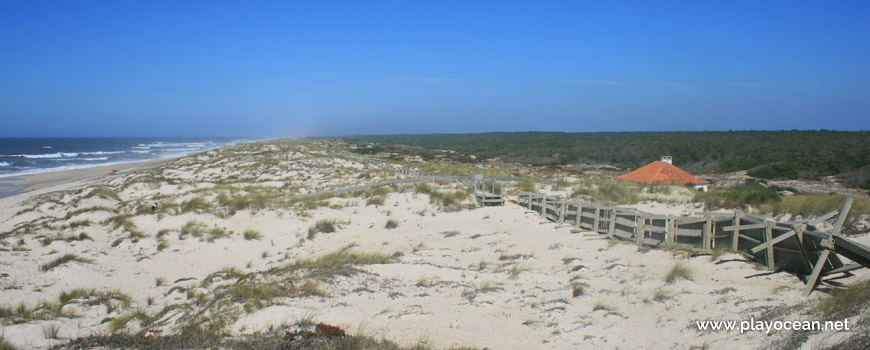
(15, 185)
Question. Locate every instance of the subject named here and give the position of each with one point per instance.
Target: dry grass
(391, 224)
(678, 271)
(809, 206)
(63, 260)
(322, 226)
(252, 235)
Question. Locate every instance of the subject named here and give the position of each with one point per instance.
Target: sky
(326, 68)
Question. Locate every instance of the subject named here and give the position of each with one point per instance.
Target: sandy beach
(26, 183)
(86, 255)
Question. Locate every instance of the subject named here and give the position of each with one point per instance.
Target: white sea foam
(99, 153)
(40, 156)
(145, 151)
(94, 159)
(32, 171)
(70, 154)
(46, 147)
(4, 164)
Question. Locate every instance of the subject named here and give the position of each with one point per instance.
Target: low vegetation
(322, 226)
(809, 206)
(63, 260)
(252, 235)
(678, 271)
(607, 191)
(750, 194)
(766, 154)
(391, 224)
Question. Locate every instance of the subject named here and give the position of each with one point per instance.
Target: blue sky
(287, 68)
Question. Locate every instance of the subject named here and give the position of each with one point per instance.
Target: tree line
(783, 154)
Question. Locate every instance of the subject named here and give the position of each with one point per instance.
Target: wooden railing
(793, 245)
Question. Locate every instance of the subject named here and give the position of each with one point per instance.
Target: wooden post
(735, 235)
(768, 236)
(530, 201)
(670, 229)
(562, 210)
(579, 214)
(597, 220)
(638, 228)
(544, 206)
(612, 229)
(811, 281)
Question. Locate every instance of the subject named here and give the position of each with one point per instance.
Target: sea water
(27, 156)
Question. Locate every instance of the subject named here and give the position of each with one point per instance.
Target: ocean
(27, 156)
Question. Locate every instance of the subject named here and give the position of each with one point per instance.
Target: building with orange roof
(664, 171)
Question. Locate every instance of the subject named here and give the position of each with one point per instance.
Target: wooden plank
(638, 229)
(708, 234)
(817, 269)
(622, 220)
(690, 233)
(544, 205)
(776, 240)
(652, 242)
(823, 218)
(735, 236)
(768, 237)
(690, 220)
(753, 240)
(743, 227)
(597, 220)
(612, 228)
(655, 229)
(846, 268)
(842, 217)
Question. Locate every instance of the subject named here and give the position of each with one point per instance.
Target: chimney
(668, 159)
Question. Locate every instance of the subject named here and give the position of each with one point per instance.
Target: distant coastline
(30, 156)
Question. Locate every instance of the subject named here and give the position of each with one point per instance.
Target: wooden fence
(796, 246)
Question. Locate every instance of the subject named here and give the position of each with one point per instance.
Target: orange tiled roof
(659, 171)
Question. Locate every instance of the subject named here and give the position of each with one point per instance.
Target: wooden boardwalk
(797, 246)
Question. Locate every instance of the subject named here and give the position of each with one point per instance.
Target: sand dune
(219, 251)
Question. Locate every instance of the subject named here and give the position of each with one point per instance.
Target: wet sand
(10, 186)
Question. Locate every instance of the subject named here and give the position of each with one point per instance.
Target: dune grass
(63, 260)
(6, 345)
(809, 206)
(192, 228)
(751, 194)
(391, 224)
(678, 271)
(376, 200)
(322, 226)
(607, 191)
(120, 322)
(196, 204)
(252, 235)
(845, 302)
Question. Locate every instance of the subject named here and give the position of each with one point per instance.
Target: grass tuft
(252, 235)
(678, 271)
(63, 260)
(391, 224)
